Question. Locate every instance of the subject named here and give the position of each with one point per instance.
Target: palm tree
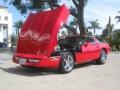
(118, 17)
(18, 26)
(108, 29)
(94, 25)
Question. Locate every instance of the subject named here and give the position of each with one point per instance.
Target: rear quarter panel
(106, 46)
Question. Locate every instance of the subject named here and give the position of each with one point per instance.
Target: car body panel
(91, 51)
(39, 32)
(37, 60)
(88, 50)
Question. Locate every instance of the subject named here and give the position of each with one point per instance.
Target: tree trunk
(73, 30)
(80, 4)
(94, 31)
(81, 21)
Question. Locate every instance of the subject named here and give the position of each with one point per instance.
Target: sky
(101, 10)
(95, 9)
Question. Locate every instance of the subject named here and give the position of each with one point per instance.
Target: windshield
(71, 41)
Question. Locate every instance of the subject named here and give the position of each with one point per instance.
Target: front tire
(66, 63)
(102, 58)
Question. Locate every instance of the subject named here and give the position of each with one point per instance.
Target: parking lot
(84, 77)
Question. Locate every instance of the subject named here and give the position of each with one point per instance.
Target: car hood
(39, 32)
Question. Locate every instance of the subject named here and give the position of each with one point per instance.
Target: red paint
(38, 39)
(43, 60)
(39, 32)
(91, 51)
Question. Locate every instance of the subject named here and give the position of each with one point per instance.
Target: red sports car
(38, 45)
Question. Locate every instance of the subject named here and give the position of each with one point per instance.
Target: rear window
(71, 40)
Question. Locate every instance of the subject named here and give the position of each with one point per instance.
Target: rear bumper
(36, 60)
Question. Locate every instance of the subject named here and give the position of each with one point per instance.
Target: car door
(89, 50)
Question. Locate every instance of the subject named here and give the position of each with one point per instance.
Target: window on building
(5, 33)
(0, 17)
(6, 18)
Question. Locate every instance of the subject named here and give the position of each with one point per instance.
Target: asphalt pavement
(84, 77)
(6, 54)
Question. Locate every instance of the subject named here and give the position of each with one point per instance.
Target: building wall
(5, 24)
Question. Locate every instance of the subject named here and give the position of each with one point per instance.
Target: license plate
(22, 61)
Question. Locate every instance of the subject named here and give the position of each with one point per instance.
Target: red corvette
(38, 45)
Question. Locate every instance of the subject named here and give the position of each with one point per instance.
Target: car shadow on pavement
(30, 72)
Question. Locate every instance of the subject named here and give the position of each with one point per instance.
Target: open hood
(39, 32)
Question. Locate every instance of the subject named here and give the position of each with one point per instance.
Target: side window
(91, 40)
(6, 18)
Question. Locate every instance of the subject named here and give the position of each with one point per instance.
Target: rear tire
(66, 63)
(102, 58)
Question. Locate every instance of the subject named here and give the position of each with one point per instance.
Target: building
(5, 24)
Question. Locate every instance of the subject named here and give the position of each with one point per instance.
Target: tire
(103, 57)
(66, 63)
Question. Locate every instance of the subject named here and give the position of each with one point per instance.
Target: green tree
(73, 23)
(116, 38)
(40, 5)
(18, 26)
(72, 27)
(89, 33)
(94, 25)
(108, 29)
(118, 17)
